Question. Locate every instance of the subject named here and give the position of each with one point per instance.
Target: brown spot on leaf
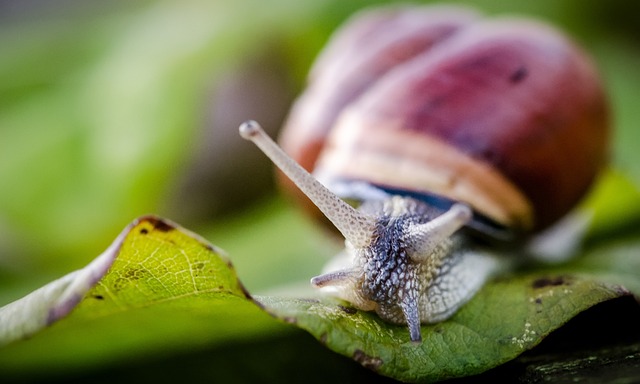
(348, 310)
(160, 224)
(120, 283)
(367, 361)
(98, 297)
(538, 301)
(134, 273)
(197, 268)
(144, 231)
(549, 282)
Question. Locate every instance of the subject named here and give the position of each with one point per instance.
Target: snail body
(473, 136)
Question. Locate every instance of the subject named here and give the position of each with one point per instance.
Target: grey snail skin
(459, 138)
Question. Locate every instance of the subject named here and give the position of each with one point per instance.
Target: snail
(460, 138)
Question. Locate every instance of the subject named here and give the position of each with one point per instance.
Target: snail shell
(505, 115)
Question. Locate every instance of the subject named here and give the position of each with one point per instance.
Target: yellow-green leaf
(167, 289)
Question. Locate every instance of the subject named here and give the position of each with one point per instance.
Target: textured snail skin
(512, 98)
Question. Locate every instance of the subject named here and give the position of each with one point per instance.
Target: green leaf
(167, 289)
(479, 337)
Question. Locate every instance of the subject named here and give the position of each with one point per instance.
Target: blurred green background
(111, 110)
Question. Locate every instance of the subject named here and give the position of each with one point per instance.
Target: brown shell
(504, 114)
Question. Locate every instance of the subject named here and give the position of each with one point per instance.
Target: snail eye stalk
(354, 226)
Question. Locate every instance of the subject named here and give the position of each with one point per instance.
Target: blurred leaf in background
(103, 109)
(113, 110)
